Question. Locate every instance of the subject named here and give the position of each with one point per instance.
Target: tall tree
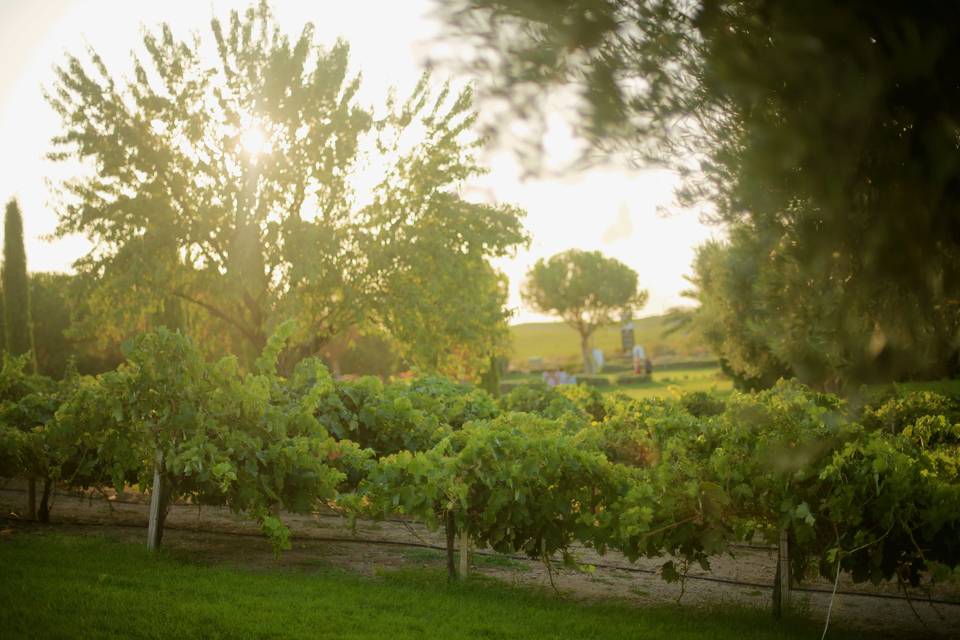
(731, 315)
(255, 188)
(18, 330)
(586, 289)
(828, 126)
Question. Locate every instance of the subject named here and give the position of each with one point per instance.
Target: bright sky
(611, 210)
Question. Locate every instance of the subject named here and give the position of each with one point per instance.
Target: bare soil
(323, 540)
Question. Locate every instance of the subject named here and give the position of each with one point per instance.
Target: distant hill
(559, 344)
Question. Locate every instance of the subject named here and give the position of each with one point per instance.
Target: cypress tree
(18, 335)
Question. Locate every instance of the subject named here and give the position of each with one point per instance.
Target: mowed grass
(674, 382)
(669, 383)
(559, 344)
(57, 586)
(682, 380)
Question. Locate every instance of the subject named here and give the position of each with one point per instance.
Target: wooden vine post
(153, 526)
(464, 553)
(450, 528)
(781, 588)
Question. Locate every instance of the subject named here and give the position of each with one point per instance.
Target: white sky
(607, 209)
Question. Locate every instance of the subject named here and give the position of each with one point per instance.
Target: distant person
(639, 356)
(598, 360)
(558, 377)
(648, 366)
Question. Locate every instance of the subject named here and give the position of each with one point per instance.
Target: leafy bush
(248, 440)
(508, 386)
(27, 404)
(381, 417)
(587, 399)
(702, 404)
(896, 413)
(636, 432)
(896, 501)
(536, 397)
(454, 403)
(406, 415)
(516, 484)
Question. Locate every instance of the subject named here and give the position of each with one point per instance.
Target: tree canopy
(224, 197)
(586, 289)
(766, 317)
(828, 129)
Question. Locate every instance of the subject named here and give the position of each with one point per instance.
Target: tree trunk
(43, 514)
(451, 531)
(335, 366)
(32, 498)
(585, 352)
(777, 610)
(155, 523)
(490, 380)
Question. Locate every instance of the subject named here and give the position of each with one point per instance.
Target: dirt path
(215, 535)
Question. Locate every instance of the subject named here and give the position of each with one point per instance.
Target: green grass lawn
(558, 344)
(57, 586)
(661, 383)
(675, 382)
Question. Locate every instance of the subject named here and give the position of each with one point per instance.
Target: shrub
(901, 411)
(537, 397)
(587, 398)
(702, 404)
(507, 387)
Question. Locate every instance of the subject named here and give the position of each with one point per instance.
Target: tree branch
(247, 333)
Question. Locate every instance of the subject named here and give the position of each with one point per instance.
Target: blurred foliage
(369, 353)
(823, 134)
(537, 397)
(701, 404)
(57, 347)
(408, 415)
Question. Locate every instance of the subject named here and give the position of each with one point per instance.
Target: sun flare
(254, 141)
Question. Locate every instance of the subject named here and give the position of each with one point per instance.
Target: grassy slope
(667, 383)
(661, 383)
(65, 587)
(555, 342)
